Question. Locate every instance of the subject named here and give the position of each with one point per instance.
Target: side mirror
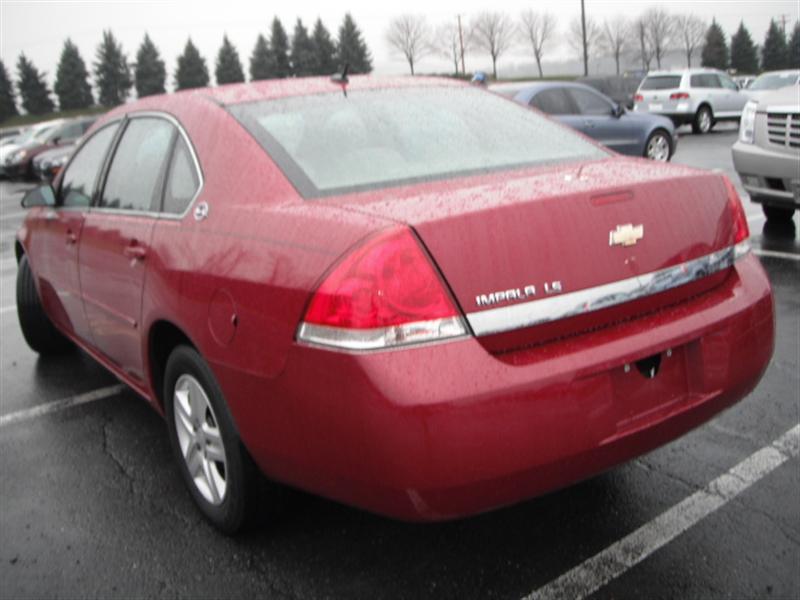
(56, 140)
(39, 196)
(618, 110)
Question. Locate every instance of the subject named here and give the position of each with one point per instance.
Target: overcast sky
(38, 28)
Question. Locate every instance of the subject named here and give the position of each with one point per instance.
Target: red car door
(56, 234)
(116, 237)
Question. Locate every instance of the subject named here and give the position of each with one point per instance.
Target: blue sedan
(598, 116)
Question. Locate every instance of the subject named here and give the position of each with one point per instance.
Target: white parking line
(774, 254)
(43, 409)
(612, 562)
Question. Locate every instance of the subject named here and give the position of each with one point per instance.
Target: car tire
(703, 120)
(215, 466)
(37, 329)
(658, 146)
(777, 213)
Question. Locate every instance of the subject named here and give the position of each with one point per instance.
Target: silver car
(700, 97)
(767, 155)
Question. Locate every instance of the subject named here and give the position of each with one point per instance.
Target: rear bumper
(445, 431)
(767, 174)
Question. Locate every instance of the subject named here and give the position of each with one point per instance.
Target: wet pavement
(91, 504)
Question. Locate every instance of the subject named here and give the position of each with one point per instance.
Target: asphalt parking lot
(91, 504)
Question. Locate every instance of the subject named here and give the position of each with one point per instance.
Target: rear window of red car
(330, 144)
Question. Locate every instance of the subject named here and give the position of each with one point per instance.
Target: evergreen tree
(794, 47)
(8, 107)
(32, 88)
(192, 71)
(229, 67)
(774, 54)
(260, 60)
(352, 49)
(111, 72)
(715, 52)
(150, 71)
(72, 80)
(279, 50)
(302, 53)
(744, 57)
(324, 50)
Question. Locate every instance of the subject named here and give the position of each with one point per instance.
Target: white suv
(701, 97)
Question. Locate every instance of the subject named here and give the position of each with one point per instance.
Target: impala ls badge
(516, 294)
(625, 235)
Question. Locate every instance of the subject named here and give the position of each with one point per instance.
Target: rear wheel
(215, 466)
(703, 120)
(777, 213)
(658, 146)
(37, 329)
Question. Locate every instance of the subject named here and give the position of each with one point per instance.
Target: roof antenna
(341, 78)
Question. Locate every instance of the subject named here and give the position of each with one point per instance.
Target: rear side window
(137, 169)
(589, 103)
(80, 177)
(182, 181)
(553, 102)
(706, 80)
(661, 82)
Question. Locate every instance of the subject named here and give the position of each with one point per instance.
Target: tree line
(276, 56)
(643, 41)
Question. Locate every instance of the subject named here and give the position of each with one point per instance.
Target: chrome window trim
(198, 170)
(546, 310)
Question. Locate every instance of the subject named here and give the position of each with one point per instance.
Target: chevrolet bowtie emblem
(625, 235)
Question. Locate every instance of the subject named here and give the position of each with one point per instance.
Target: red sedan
(414, 297)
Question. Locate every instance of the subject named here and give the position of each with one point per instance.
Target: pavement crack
(114, 459)
(651, 469)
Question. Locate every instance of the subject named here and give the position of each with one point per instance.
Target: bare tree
(660, 30)
(691, 31)
(494, 32)
(537, 29)
(616, 35)
(593, 36)
(645, 51)
(411, 36)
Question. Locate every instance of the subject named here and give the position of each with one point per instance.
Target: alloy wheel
(658, 148)
(200, 439)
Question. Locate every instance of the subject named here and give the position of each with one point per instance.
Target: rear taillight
(741, 231)
(638, 98)
(679, 96)
(384, 293)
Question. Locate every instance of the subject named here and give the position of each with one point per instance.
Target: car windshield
(329, 143)
(661, 82)
(774, 81)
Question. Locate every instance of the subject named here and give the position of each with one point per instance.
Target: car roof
(691, 71)
(306, 86)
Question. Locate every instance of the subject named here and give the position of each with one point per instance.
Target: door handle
(72, 238)
(135, 252)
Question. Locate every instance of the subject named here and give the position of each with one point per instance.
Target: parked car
(417, 298)
(19, 164)
(33, 133)
(700, 97)
(771, 81)
(47, 165)
(7, 133)
(598, 116)
(767, 154)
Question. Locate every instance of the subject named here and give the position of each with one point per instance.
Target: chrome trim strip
(546, 310)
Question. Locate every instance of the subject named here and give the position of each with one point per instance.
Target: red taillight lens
(385, 293)
(741, 231)
(679, 96)
(638, 98)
